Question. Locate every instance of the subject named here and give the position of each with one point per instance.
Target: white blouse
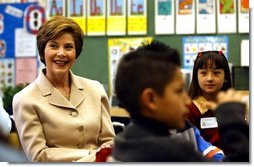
(5, 120)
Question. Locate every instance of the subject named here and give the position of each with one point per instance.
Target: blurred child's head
(149, 83)
(210, 75)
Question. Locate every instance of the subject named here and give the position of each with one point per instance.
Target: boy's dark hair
(152, 65)
(201, 62)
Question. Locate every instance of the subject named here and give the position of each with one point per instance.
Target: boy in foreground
(150, 86)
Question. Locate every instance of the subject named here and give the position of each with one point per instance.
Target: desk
(120, 118)
(119, 112)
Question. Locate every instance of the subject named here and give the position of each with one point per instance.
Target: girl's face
(60, 54)
(211, 80)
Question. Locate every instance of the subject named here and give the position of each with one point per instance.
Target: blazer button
(74, 113)
(81, 128)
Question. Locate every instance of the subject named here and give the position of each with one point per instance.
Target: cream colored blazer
(53, 129)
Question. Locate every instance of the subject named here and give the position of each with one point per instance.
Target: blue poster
(194, 44)
(11, 17)
(19, 24)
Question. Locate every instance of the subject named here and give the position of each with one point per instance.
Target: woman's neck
(61, 82)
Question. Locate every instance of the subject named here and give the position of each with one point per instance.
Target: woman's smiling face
(60, 55)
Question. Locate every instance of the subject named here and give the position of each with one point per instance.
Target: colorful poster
(117, 47)
(137, 17)
(185, 17)
(9, 1)
(206, 21)
(243, 16)
(226, 16)
(7, 72)
(18, 24)
(17, 29)
(164, 17)
(194, 44)
(76, 10)
(11, 17)
(96, 17)
(55, 7)
(116, 17)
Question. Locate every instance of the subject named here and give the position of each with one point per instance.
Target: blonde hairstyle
(55, 27)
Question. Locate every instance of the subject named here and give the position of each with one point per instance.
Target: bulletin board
(93, 62)
(18, 57)
(194, 44)
(117, 47)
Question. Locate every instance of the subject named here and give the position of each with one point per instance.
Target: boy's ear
(147, 98)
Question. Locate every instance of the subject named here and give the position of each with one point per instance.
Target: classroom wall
(93, 63)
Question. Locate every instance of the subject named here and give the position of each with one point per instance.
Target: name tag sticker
(208, 122)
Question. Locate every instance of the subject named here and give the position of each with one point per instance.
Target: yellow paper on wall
(137, 25)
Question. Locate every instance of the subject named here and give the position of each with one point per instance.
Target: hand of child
(225, 96)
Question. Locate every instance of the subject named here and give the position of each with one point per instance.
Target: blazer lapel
(47, 89)
(77, 95)
(58, 99)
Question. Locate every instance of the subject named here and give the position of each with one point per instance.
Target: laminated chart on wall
(185, 16)
(137, 17)
(164, 16)
(243, 16)
(194, 44)
(226, 16)
(245, 52)
(116, 17)
(55, 7)
(19, 24)
(96, 17)
(117, 47)
(206, 16)
(76, 10)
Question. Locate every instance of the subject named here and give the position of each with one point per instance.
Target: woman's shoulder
(86, 82)
(27, 95)
(29, 89)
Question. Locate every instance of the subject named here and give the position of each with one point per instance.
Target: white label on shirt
(208, 122)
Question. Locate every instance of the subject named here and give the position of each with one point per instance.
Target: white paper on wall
(206, 22)
(243, 16)
(164, 17)
(185, 17)
(24, 43)
(226, 16)
(245, 53)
